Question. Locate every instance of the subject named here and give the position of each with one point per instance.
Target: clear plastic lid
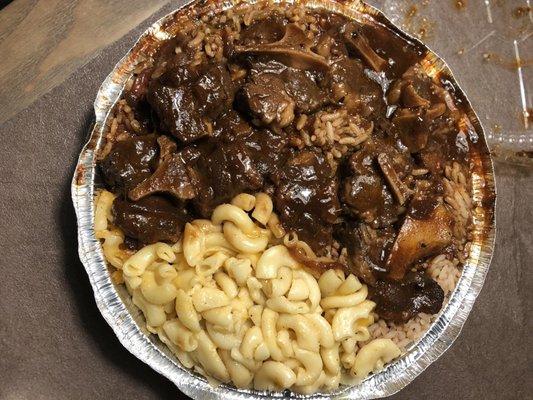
(488, 44)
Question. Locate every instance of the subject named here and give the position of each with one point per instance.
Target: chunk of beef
(178, 111)
(225, 171)
(412, 128)
(348, 72)
(392, 47)
(214, 90)
(230, 127)
(306, 198)
(239, 163)
(367, 248)
(426, 231)
(179, 71)
(267, 101)
(422, 107)
(267, 30)
(350, 83)
(331, 28)
(176, 68)
(268, 150)
(399, 301)
(236, 159)
(130, 162)
(365, 191)
(175, 175)
(302, 88)
(301, 85)
(419, 89)
(151, 219)
(369, 198)
(442, 148)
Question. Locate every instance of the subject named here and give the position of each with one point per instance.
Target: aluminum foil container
(126, 320)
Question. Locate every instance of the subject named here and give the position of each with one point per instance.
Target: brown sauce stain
(522, 158)
(490, 57)
(524, 154)
(509, 64)
(460, 4)
(411, 11)
(496, 128)
(425, 29)
(520, 12)
(419, 27)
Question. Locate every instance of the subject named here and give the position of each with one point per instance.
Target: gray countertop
(55, 345)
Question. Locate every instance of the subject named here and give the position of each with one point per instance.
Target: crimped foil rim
(125, 320)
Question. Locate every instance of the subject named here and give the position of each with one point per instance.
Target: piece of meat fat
(419, 239)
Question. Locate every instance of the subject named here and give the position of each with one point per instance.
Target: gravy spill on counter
(523, 11)
(460, 4)
(419, 26)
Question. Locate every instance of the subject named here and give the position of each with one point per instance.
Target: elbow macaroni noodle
(231, 302)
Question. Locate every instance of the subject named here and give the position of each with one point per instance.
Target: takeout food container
(126, 320)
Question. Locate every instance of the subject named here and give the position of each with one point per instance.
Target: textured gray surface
(55, 345)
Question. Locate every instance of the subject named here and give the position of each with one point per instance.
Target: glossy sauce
(220, 133)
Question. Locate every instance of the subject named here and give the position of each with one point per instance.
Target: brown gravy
(211, 128)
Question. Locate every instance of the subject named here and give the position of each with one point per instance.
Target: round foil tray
(126, 320)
